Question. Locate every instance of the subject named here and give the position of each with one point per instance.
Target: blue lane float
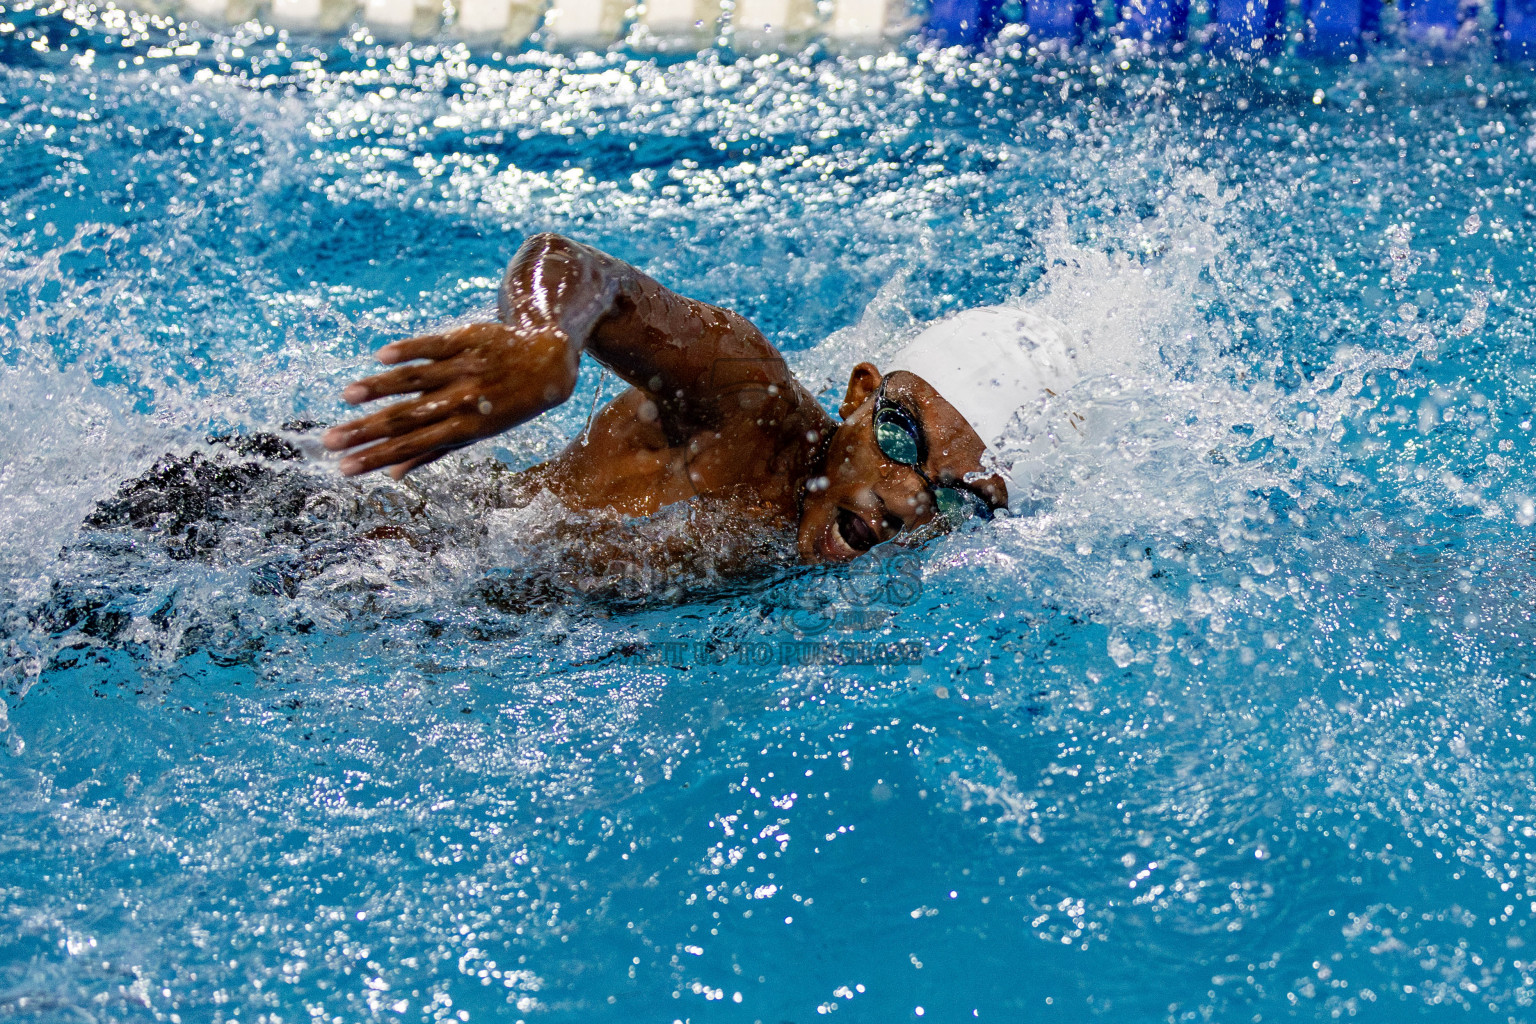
(1337, 28)
(1155, 21)
(963, 22)
(1065, 20)
(1434, 20)
(1248, 27)
(1516, 32)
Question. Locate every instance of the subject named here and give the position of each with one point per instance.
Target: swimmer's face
(867, 496)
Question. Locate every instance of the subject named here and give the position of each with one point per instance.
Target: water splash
(1236, 721)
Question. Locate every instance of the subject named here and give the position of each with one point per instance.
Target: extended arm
(559, 298)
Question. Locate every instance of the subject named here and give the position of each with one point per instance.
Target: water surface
(1230, 722)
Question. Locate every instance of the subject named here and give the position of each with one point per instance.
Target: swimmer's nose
(907, 504)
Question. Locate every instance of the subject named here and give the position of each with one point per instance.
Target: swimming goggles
(901, 440)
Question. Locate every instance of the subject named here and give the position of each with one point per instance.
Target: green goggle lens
(955, 504)
(951, 505)
(895, 438)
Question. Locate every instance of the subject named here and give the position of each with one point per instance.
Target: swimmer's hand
(472, 383)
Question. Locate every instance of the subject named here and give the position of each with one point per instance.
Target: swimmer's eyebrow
(900, 399)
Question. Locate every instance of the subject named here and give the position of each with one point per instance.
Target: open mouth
(854, 531)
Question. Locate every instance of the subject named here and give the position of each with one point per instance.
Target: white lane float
(312, 15)
(681, 24)
(572, 24)
(403, 19)
(506, 23)
(219, 12)
(765, 24)
(865, 21)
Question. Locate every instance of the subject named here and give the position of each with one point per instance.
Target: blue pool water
(1232, 722)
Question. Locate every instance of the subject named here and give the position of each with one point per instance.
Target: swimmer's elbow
(547, 247)
(548, 243)
(552, 273)
(543, 261)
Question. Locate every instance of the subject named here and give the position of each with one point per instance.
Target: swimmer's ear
(862, 383)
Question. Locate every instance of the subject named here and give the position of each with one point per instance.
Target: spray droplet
(1121, 652)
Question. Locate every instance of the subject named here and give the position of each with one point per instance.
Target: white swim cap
(992, 364)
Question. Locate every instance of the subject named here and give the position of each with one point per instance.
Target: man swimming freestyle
(712, 410)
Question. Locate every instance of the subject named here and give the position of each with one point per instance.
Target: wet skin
(712, 410)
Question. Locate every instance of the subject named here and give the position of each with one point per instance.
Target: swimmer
(712, 410)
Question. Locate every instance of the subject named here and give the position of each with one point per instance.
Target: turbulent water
(1229, 721)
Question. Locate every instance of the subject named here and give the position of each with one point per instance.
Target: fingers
(442, 346)
(448, 394)
(428, 346)
(417, 377)
(437, 439)
(396, 420)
